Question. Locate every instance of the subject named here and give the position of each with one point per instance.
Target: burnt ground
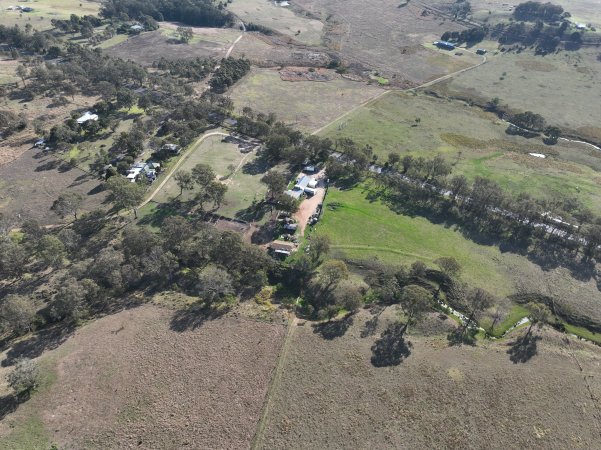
(350, 385)
(30, 184)
(153, 378)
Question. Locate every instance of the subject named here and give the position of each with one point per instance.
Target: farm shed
(445, 45)
(87, 116)
(282, 248)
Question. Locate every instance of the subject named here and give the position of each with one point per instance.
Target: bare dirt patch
(306, 74)
(142, 378)
(532, 65)
(30, 184)
(331, 395)
(271, 51)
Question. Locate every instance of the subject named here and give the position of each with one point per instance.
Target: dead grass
(148, 47)
(562, 87)
(156, 383)
(332, 396)
(306, 104)
(386, 38)
(30, 184)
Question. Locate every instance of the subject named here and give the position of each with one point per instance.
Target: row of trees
(203, 13)
(534, 11)
(229, 71)
(484, 206)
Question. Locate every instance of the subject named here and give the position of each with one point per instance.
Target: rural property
(300, 224)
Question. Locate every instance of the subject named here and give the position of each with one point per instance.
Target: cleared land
(562, 87)
(279, 18)
(243, 181)
(381, 36)
(306, 104)
(492, 11)
(475, 143)
(157, 381)
(30, 184)
(46, 10)
(330, 395)
(270, 51)
(363, 230)
(148, 47)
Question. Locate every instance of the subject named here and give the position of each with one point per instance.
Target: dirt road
(179, 163)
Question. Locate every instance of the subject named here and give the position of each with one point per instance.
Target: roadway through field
(179, 163)
(273, 385)
(423, 85)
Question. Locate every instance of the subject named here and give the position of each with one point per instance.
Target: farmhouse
(481, 51)
(149, 169)
(87, 117)
(304, 185)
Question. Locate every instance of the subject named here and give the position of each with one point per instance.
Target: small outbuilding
(445, 45)
(87, 117)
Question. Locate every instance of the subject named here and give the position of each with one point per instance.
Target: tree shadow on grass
(460, 337)
(34, 346)
(391, 348)
(523, 349)
(195, 316)
(256, 166)
(9, 403)
(369, 329)
(333, 328)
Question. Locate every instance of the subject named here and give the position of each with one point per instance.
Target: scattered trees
(126, 194)
(185, 34)
(415, 301)
(539, 314)
(25, 377)
(67, 203)
(17, 313)
(184, 181)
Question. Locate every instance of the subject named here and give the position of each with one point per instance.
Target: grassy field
(171, 383)
(561, 87)
(148, 47)
(281, 19)
(475, 143)
(243, 186)
(362, 230)
(306, 104)
(387, 38)
(46, 10)
(331, 394)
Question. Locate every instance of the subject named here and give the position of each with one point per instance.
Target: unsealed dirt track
(145, 378)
